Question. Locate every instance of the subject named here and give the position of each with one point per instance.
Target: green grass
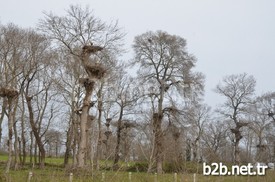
(53, 172)
(51, 175)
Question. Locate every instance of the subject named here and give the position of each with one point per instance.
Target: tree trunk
(1, 119)
(16, 150)
(99, 141)
(82, 152)
(151, 158)
(31, 147)
(237, 157)
(10, 133)
(118, 141)
(11, 117)
(188, 150)
(157, 119)
(89, 139)
(23, 142)
(38, 139)
(68, 143)
(157, 122)
(75, 141)
(16, 138)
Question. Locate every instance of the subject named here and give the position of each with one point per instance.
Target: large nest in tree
(128, 124)
(7, 92)
(95, 70)
(87, 83)
(91, 49)
(108, 133)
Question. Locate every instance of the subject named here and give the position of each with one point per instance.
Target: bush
(138, 167)
(186, 167)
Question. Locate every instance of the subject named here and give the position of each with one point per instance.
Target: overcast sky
(226, 36)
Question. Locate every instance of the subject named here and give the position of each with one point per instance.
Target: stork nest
(87, 83)
(157, 116)
(95, 70)
(108, 133)
(7, 92)
(128, 124)
(91, 49)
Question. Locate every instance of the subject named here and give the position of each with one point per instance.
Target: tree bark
(99, 141)
(23, 139)
(10, 134)
(30, 150)
(1, 120)
(83, 123)
(157, 119)
(157, 122)
(68, 143)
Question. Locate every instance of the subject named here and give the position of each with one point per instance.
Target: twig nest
(95, 70)
(128, 124)
(91, 49)
(108, 133)
(87, 83)
(7, 92)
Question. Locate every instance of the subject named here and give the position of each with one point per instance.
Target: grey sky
(226, 36)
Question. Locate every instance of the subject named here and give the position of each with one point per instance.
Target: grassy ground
(53, 172)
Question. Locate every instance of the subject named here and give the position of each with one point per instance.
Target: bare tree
(53, 139)
(238, 90)
(214, 140)
(125, 98)
(164, 65)
(261, 123)
(197, 116)
(11, 52)
(79, 29)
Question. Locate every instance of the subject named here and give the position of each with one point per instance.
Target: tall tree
(79, 29)
(261, 124)
(11, 39)
(197, 115)
(165, 64)
(238, 90)
(124, 97)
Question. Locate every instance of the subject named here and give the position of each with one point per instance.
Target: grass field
(53, 172)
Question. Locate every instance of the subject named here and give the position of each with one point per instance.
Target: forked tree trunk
(93, 71)
(38, 139)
